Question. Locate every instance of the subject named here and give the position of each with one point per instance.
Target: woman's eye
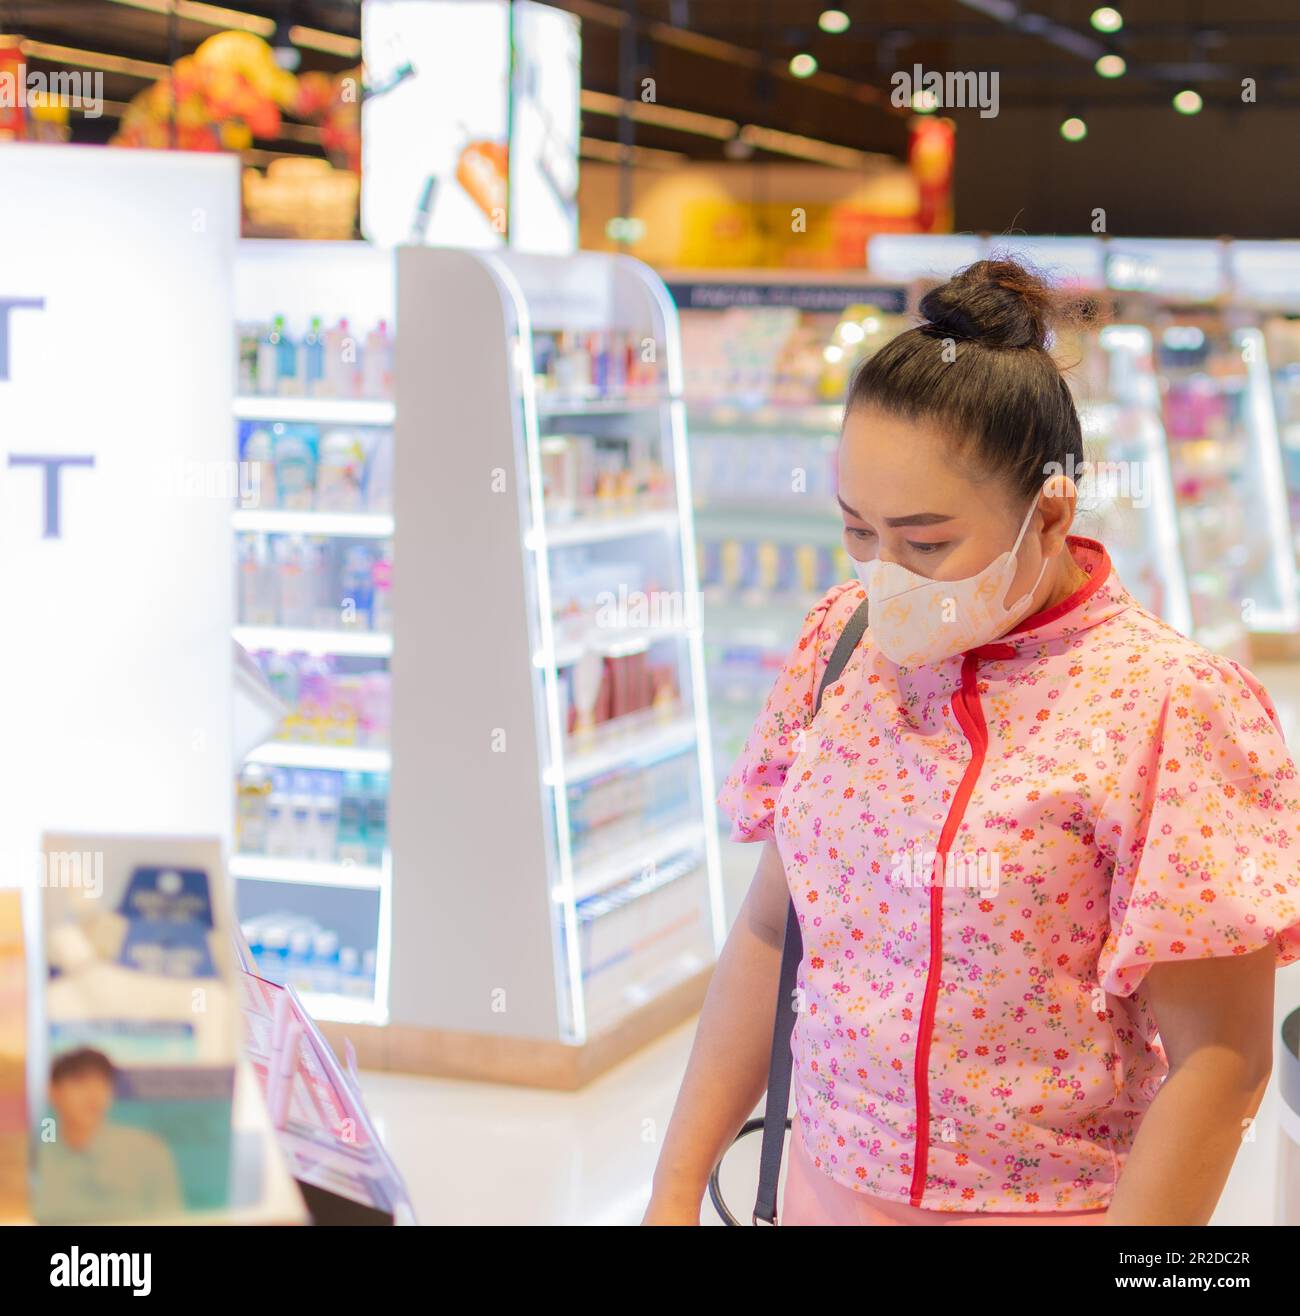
(925, 549)
(857, 533)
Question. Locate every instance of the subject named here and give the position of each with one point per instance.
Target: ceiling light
(1074, 130)
(833, 21)
(803, 65)
(1188, 102)
(1111, 66)
(1107, 19)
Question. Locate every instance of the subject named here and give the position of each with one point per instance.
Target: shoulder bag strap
(778, 1074)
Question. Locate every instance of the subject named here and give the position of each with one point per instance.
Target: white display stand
(500, 937)
(299, 281)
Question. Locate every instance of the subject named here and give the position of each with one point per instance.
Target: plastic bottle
(340, 472)
(376, 708)
(328, 789)
(351, 847)
(268, 357)
(325, 963)
(302, 807)
(340, 362)
(293, 581)
(356, 584)
(349, 972)
(295, 466)
(257, 586)
(376, 791)
(279, 819)
(298, 960)
(381, 581)
(275, 952)
(288, 379)
(251, 814)
(379, 472)
(377, 363)
(259, 458)
(313, 360)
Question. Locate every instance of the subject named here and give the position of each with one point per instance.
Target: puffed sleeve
(748, 796)
(1206, 832)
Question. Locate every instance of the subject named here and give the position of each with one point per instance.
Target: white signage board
(116, 481)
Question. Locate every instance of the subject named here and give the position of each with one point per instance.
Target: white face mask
(916, 620)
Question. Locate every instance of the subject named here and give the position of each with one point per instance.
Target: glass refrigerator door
(1283, 342)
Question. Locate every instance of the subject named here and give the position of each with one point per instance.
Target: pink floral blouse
(986, 855)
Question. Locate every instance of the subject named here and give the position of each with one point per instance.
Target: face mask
(916, 620)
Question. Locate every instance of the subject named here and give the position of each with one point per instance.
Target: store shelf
(555, 406)
(337, 525)
(319, 411)
(591, 529)
(597, 875)
(612, 642)
(284, 639)
(338, 758)
(652, 743)
(307, 872)
(812, 419)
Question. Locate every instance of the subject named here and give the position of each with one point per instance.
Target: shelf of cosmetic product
(643, 854)
(613, 642)
(307, 872)
(629, 741)
(612, 524)
(287, 639)
(810, 419)
(315, 410)
(556, 404)
(341, 758)
(331, 525)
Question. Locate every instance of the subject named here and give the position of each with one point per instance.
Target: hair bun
(998, 303)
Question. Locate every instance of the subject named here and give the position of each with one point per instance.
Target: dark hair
(77, 1064)
(980, 366)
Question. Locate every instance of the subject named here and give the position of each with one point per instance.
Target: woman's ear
(1057, 509)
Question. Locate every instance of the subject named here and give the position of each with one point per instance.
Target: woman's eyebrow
(916, 518)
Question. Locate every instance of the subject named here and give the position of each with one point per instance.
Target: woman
(1044, 850)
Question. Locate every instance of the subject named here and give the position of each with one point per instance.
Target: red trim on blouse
(1096, 578)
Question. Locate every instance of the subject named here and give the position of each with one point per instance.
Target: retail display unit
(768, 362)
(556, 900)
(1228, 477)
(314, 527)
(1126, 492)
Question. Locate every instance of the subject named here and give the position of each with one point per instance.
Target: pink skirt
(812, 1197)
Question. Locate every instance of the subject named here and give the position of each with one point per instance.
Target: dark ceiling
(730, 58)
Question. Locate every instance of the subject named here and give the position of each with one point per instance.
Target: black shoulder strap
(778, 1072)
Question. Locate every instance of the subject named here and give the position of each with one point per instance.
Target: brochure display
(140, 1046)
(539, 407)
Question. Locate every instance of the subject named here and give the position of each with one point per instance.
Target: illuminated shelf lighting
(359, 525)
(340, 758)
(284, 639)
(597, 875)
(306, 872)
(650, 745)
(569, 406)
(321, 411)
(590, 529)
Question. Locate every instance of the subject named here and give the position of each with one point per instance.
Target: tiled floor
(482, 1154)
